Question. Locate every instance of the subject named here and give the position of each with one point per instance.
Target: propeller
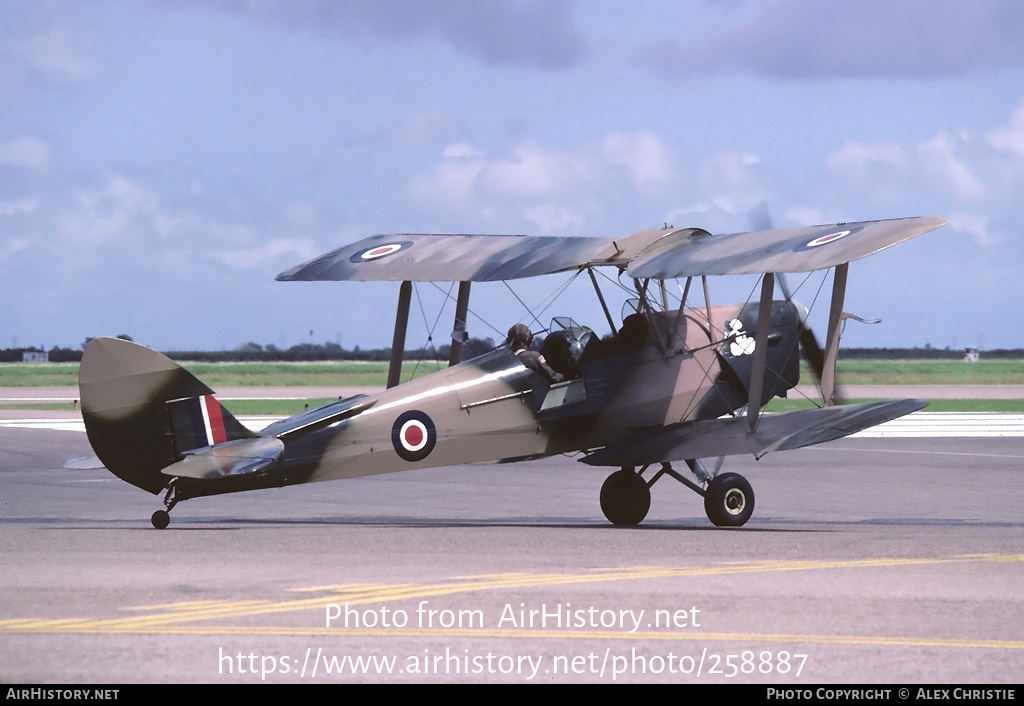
(760, 218)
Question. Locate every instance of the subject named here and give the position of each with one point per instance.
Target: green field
(996, 406)
(928, 372)
(340, 374)
(352, 373)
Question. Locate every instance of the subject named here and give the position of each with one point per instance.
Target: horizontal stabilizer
(320, 416)
(233, 458)
(728, 437)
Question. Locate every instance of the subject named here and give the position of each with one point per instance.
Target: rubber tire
(160, 519)
(729, 500)
(625, 498)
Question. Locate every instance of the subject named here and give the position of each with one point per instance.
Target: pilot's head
(519, 336)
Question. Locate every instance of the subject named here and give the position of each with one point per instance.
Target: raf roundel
(827, 238)
(413, 435)
(379, 251)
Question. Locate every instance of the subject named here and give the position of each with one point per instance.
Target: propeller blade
(760, 218)
(812, 352)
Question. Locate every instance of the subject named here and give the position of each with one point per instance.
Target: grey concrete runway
(870, 560)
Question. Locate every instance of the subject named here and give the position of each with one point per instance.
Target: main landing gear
(728, 498)
(162, 518)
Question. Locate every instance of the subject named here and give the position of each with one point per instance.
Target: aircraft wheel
(729, 500)
(625, 498)
(160, 519)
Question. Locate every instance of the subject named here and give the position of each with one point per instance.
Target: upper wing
(727, 437)
(449, 258)
(786, 250)
(660, 254)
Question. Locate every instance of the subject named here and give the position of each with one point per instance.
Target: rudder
(143, 411)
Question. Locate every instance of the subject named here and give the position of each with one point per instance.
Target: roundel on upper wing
(413, 435)
(826, 238)
(379, 251)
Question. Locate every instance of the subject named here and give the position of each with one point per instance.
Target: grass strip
(290, 407)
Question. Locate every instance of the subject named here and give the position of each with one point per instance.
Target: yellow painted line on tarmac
(167, 618)
(749, 639)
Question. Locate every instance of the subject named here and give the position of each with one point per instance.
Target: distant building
(35, 357)
(970, 355)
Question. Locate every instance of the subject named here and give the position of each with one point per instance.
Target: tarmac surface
(867, 560)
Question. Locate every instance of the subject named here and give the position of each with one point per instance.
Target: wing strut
(835, 320)
(459, 333)
(607, 315)
(398, 341)
(681, 313)
(707, 308)
(764, 323)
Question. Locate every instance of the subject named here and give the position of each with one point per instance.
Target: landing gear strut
(162, 518)
(728, 498)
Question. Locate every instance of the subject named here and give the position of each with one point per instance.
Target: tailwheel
(729, 500)
(162, 518)
(625, 497)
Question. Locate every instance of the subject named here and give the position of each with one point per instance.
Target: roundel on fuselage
(413, 435)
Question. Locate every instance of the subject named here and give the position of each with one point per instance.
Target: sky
(161, 161)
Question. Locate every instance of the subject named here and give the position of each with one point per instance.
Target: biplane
(682, 386)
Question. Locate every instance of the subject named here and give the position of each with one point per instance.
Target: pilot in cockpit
(519, 339)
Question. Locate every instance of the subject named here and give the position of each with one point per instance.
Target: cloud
(424, 126)
(643, 156)
(120, 211)
(261, 255)
(729, 184)
(941, 159)
(539, 33)
(554, 219)
(859, 158)
(552, 188)
(975, 225)
(967, 168)
(10, 208)
(1010, 137)
(43, 42)
(123, 220)
(26, 152)
(795, 39)
(10, 246)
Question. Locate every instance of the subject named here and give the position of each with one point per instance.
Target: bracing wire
(482, 320)
(426, 324)
(545, 302)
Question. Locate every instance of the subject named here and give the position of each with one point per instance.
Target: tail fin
(143, 411)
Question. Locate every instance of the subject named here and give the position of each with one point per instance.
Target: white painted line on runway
(254, 423)
(948, 425)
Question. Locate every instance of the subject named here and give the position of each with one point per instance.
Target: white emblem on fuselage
(741, 343)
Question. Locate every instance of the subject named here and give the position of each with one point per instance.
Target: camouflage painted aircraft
(666, 386)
